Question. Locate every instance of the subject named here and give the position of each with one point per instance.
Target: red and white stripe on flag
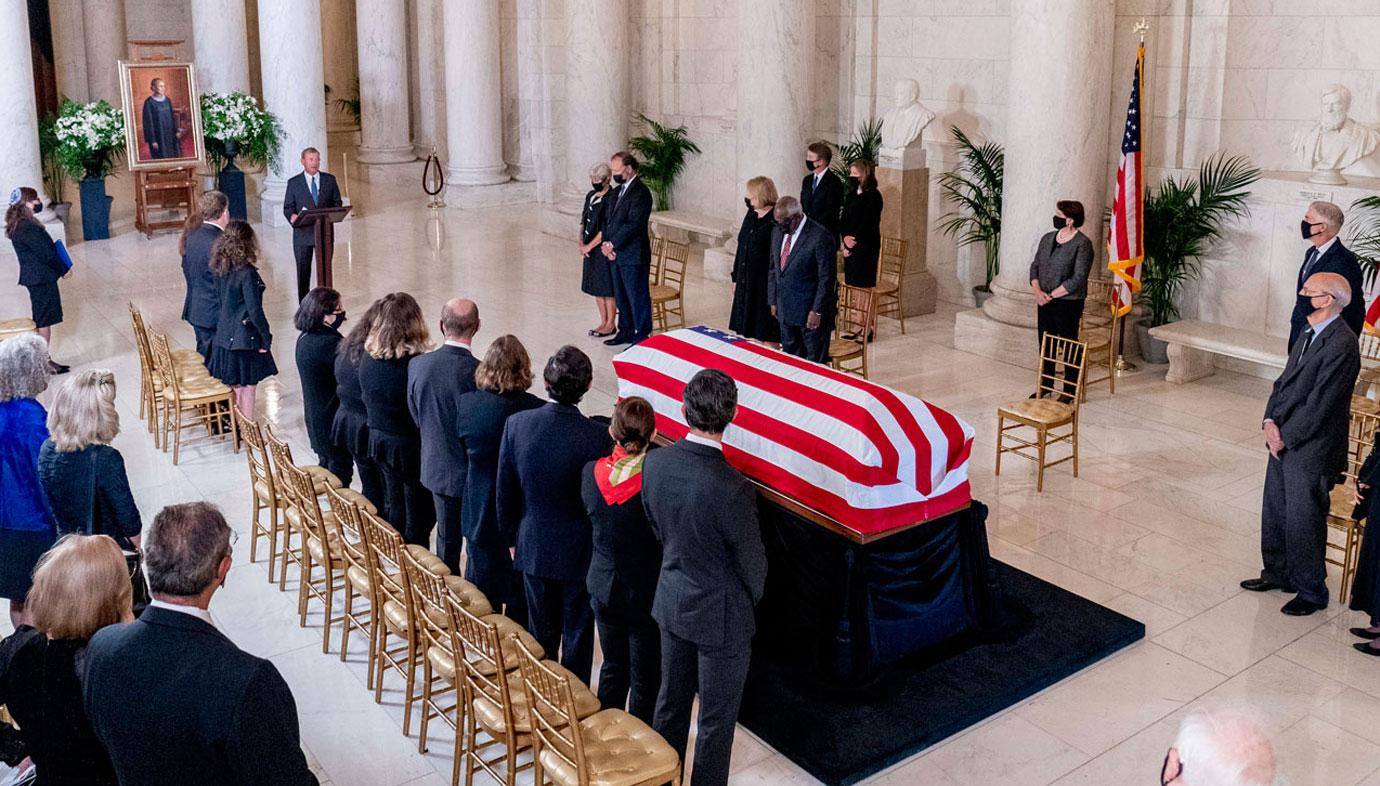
(1125, 240)
(1373, 316)
(863, 454)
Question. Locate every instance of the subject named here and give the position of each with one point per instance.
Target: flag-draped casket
(869, 457)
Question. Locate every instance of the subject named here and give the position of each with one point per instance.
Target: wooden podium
(322, 221)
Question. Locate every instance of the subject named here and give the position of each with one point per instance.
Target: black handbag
(134, 560)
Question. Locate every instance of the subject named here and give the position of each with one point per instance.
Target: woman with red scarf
(625, 565)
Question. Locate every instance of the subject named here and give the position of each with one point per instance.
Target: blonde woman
(597, 275)
(82, 475)
(80, 586)
(398, 335)
(751, 315)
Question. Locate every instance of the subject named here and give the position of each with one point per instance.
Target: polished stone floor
(1161, 525)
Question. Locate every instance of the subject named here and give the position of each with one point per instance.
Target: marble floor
(1161, 525)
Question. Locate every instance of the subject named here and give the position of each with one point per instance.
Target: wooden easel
(164, 189)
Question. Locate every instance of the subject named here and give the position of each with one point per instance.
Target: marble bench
(683, 225)
(1192, 345)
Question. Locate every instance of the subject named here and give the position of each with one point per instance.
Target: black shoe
(1365, 633)
(604, 334)
(616, 341)
(1298, 607)
(1263, 585)
(1365, 648)
(55, 367)
(849, 337)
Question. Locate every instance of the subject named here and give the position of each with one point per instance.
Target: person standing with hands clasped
(309, 189)
(1059, 279)
(801, 281)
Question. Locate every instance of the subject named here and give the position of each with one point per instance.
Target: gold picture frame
(166, 132)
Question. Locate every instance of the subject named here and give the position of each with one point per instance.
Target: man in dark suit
(628, 246)
(821, 192)
(170, 697)
(311, 188)
(713, 571)
(435, 383)
(541, 512)
(201, 307)
(801, 281)
(1320, 226)
(1306, 422)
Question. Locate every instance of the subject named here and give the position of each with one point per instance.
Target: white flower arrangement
(89, 131)
(237, 118)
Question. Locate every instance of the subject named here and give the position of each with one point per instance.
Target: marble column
(340, 63)
(105, 46)
(776, 49)
(1057, 144)
(290, 49)
(474, 107)
(431, 87)
(19, 159)
(220, 43)
(69, 49)
(385, 130)
(596, 86)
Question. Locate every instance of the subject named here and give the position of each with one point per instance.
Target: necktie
(1308, 262)
(785, 251)
(1307, 342)
(313, 188)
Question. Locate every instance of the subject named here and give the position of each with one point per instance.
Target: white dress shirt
(199, 613)
(455, 342)
(698, 440)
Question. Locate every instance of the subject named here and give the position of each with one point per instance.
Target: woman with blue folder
(41, 263)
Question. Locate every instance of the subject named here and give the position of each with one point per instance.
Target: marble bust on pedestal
(904, 123)
(1336, 141)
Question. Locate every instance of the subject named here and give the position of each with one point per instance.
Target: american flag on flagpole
(871, 458)
(1125, 238)
(1372, 317)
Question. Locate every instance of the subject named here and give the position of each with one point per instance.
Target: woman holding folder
(41, 263)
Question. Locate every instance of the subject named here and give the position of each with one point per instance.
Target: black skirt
(237, 367)
(1365, 586)
(597, 280)
(350, 432)
(19, 552)
(45, 303)
(860, 267)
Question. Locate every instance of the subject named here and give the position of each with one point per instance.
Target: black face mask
(1059, 222)
(619, 179)
(597, 186)
(810, 167)
(748, 201)
(1306, 229)
(853, 182)
(788, 227)
(339, 319)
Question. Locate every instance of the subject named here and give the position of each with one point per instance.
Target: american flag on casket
(861, 453)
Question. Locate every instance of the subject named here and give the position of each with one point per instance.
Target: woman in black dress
(318, 317)
(398, 335)
(1365, 585)
(160, 123)
(862, 228)
(350, 427)
(625, 563)
(597, 279)
(240, 355)
(751, 315)
(40, 267)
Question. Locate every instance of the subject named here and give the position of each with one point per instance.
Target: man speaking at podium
(310, 189)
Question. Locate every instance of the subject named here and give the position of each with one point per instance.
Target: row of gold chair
(481, 673)
(1029, 427)
(1360, 439)
(176, 391)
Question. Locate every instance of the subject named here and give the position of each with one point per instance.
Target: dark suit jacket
(537, 497)
(713, 565)
(808, 282)
(1311, 399)
(626, 224)
(316, 351)
(479, 420)
(1341, 260)
(435, 383)
(825, 202)
(38, 258)
(298, 197)
(202, 304)
(175, 702)
(626, 561)
(242, 324)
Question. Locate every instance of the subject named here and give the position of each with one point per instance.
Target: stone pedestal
(904, 180)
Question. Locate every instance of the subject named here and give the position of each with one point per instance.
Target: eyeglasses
(1166, 774)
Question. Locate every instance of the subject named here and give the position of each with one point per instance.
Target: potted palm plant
(1364, 238)
(862, 146)
(974, 189)
(1182, 219)
(662, 152)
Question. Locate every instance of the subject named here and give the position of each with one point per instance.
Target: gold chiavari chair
(354, 547)
(658, 256)
(323, 550)
(189, 365)
(1366, 396)
(1361, 434)
(857, 316)
(207, 400)
(9, 328)
(668, 293)
(610, 746)
(892, 268)
(1051, 410)
(263, 486)
(1097, 328)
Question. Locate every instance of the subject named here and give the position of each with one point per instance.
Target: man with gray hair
(169, 696)
(1319, 227)
(1219, 748)
(1305, 428)
(801, 281)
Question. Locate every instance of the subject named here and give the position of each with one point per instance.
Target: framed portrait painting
(162, 114)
